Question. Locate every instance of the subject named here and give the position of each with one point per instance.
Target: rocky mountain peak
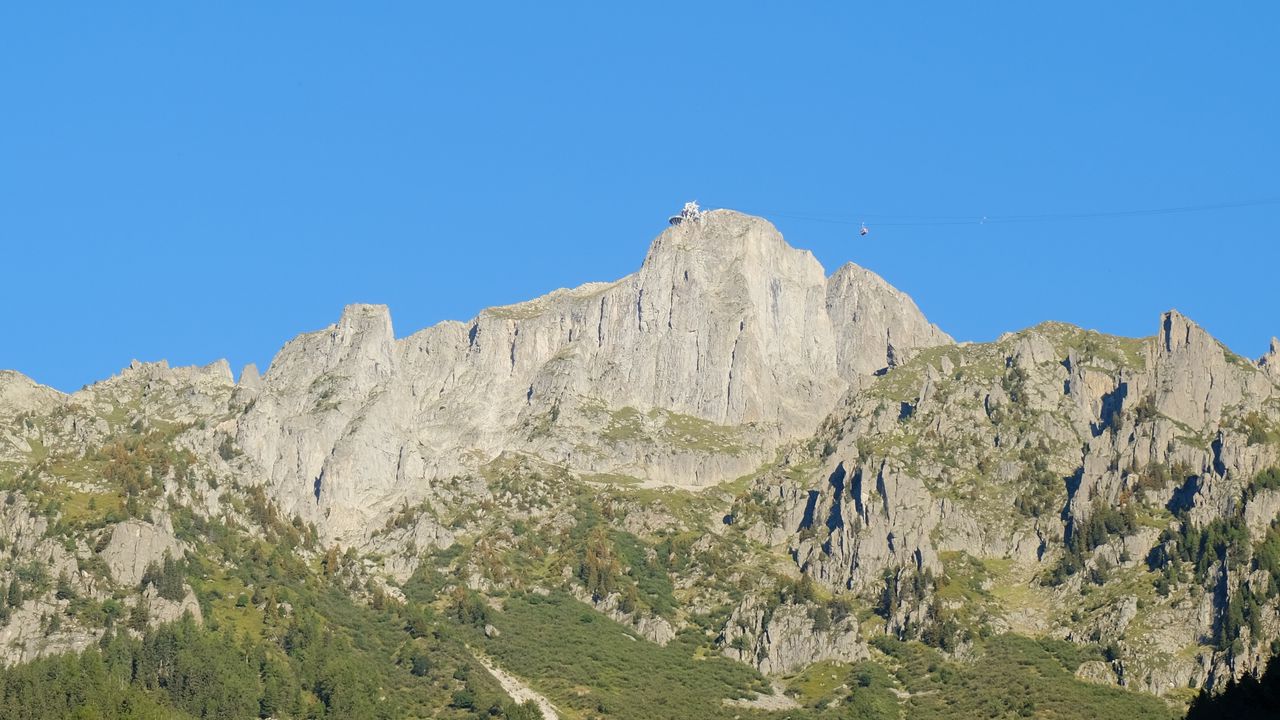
(20, 394)
(725, 344)
(875, 323)
(361, 344)
(360, 320)
(1270, 363)
(1179, 334)
(250, 379)
(722, 304)
(723, 239)
(152, 377)
(1196, 377)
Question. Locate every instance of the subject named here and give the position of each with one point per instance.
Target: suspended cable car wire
(886, 220)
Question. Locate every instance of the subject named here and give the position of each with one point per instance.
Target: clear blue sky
(193, 181)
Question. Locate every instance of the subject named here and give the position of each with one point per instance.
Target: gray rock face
(249, 378)
(161, 610)
(1097, 671)
(403, 548)
(133, 546)
(875, 323)
(178, 394)
(1194, 382)
(300, 424)
(725, 344)
(875, 517)
(783, 639)
(19, 394)
(724, 322)
(24, 637)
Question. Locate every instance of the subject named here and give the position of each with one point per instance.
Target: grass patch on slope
(681, 432)
(818, 681)
(590, 666)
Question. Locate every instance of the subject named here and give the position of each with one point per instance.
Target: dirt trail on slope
(516, 688)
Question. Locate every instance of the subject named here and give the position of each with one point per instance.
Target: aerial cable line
(885, 220)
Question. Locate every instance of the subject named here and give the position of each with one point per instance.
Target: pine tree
(65, 591)
(14, 598)
(331, 562)
(139, 616)
(599, 569)
(170, 585)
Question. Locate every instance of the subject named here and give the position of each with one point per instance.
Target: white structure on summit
(691, 211)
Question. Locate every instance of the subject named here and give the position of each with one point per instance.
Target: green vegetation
(182, 667)
(1083, 537)
(1011, 677)
(819, 682)
(864, 690)
(652, 583)
(1258, 430)
(1043, 491)
(313, 669)
(301, 648)
(289, 632)
(1266, 557)
(871, 694)
(1266, 480)
(121, 479)
(589, 665)
(1199, 552)
(167, 578)
(1223, 539)
(316, 638)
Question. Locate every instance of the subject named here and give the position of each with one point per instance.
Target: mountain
(727, 485)
(724, 346)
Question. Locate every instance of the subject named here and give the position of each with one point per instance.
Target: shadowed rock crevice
(835, 519)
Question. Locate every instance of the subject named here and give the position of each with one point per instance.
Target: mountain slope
(727, 475)
(1056, 482)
